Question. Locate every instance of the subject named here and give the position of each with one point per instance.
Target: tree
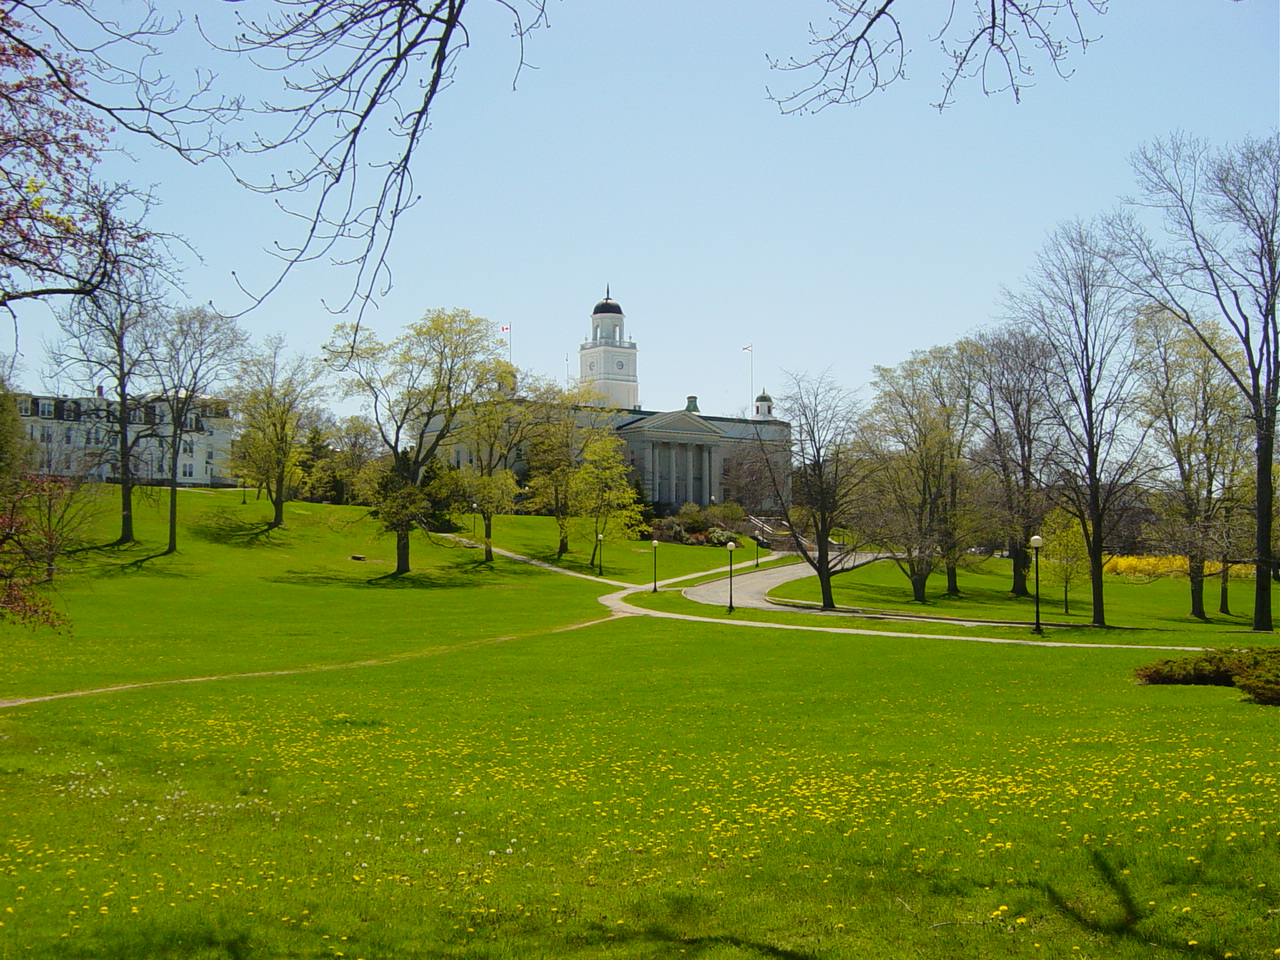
(572, 421)
(1196, 424)
(274, 400)
(197, 348)
(602, 495)
(1009, 404)
(1064, 558)
(863, 48)
(1220, 261)
(821, 497)
(493, 434)
(352, 446)
(380, 65)
(59, 513)
(109, 347)
(1072, 299)
(922, 421)
(417, 389)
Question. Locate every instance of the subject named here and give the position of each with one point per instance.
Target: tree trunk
(918, 583)
(1095, 580)
(402, 553)
(1224, 607)
(1066, 608)
(173, 504)
(126, 480)
(822, 564)
(277, 501)
(1264, 506)
(562, 547)
(488, 537)
(1195, 573)
(953, 580)
(1021, 563)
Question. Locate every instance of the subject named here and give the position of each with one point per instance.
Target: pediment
(678, 424)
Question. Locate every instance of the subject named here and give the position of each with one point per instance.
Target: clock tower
(607, 359)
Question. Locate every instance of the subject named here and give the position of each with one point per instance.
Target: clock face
(621, 365)
(591, 365)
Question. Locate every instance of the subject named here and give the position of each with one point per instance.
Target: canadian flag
(506, 328)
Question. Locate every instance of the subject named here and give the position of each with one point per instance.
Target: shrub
(1262, 684)
(1254, 671)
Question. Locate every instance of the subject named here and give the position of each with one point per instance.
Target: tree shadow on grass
(117, 559)
(464, 572)
(165, 943)
(224, 527)
(1126, 925)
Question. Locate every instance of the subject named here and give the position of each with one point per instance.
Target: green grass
(629, 561)
(1161, 603)
(635, 788)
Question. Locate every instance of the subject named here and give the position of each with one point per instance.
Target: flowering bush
(1168, 566)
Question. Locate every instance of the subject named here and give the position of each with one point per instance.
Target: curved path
(751, 588)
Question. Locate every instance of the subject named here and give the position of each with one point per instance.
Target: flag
(506, 328)
(747, 348)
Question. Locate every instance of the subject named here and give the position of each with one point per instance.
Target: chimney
(692, 405)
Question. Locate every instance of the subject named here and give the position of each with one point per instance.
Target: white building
(76, 436)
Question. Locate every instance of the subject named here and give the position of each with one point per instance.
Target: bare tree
(821, 497)
(1072, 299)
(109, 347)
(862, 48)
(1006, 367)
(274, 400)
(197, 348)
(1220, 261)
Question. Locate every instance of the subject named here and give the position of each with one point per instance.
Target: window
(24, 406)
(66, 436)
(46, 434)
(186, 448)
(188, 470)
(135, 415)
(46, 408)
(208, 456)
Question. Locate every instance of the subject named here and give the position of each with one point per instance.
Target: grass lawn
(629, 561)
(634, 788)
(1160, 603)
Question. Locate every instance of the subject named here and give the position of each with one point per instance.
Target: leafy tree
(572, 421)
(351, 446)
(418, 388)
(922, 422)
(1064, 558)
(493, 434)
(1197, 425)
(274, 400)
(602, 496)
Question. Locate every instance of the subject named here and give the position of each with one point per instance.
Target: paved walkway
(750, 591)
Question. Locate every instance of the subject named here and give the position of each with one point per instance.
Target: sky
(641, 153)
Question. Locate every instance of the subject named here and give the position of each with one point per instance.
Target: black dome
(607, 306)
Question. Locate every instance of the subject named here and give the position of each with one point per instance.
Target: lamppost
(1036, 543)
(730, 545)
(757, 540)
(600, 553)
(473, 520)
(655, 566)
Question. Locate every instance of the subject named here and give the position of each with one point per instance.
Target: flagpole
(749, 349)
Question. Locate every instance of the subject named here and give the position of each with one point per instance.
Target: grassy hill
(470, 763)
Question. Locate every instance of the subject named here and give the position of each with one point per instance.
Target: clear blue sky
(643, 153)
